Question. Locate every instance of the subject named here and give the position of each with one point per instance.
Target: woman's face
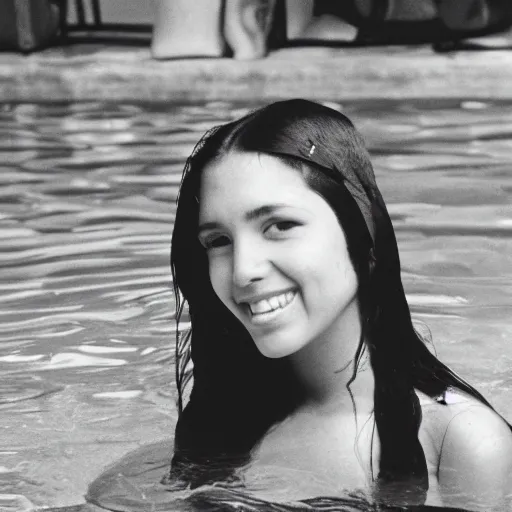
(277, 255)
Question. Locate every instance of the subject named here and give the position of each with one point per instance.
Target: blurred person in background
(247, 29)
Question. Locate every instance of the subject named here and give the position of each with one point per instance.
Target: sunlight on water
(87, 203)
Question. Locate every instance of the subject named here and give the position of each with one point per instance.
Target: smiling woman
(281, 268)
(305, 357)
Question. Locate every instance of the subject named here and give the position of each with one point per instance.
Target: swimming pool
(87, 196)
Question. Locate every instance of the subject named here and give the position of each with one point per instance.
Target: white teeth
(274, 302)
(261, 306)
(271, 304)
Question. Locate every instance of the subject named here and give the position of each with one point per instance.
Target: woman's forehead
(251, 177)
(247, 189)
(258, 169)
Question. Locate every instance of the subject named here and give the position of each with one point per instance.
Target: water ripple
(87, 204)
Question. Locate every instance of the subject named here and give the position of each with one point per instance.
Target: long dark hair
(237, 393)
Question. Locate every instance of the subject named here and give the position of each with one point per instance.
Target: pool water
(87, 202)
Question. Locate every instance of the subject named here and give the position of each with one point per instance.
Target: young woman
(308, 374)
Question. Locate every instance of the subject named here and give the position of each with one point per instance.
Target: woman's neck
(325, 366)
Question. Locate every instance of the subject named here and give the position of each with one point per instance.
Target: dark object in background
(28, 25)
(420, 21)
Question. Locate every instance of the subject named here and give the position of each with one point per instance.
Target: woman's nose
(250, 263)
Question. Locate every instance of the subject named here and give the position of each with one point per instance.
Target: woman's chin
(275, 349)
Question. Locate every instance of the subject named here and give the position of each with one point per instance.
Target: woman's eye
(215, 242)
(281, 227)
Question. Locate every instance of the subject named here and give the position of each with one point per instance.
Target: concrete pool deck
(90, 72)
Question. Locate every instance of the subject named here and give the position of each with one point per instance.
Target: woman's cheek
(219, 277)
(216, 273)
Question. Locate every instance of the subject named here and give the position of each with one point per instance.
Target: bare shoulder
(473, 446)
(476, 435)
(461, 419)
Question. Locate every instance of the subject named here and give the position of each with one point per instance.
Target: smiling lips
(266, 309)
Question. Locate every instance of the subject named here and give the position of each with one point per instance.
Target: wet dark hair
(238, 394)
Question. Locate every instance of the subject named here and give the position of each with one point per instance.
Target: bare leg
(330, 28)
(302, 25)
(247, 25)
(187, 28)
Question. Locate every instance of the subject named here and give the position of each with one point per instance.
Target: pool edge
(101, 73)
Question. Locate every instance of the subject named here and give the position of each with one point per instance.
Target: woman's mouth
(267, 309)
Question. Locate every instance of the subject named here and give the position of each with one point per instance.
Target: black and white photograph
(256, 255)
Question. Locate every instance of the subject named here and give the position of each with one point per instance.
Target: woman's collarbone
(334, 445)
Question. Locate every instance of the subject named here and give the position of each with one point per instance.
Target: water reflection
(87, 197)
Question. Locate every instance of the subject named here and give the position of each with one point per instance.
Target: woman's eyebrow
(261, 211)
(249, 216)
